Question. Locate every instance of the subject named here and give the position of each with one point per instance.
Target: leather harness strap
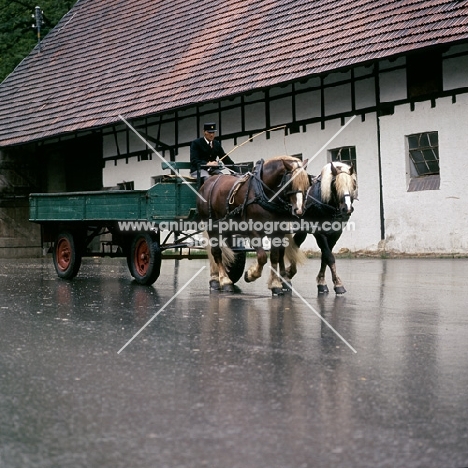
(235, 188)
(278, 204)
(260, 197)
(313, 199)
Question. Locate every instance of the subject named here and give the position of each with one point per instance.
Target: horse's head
(286, 175)
(339, 186)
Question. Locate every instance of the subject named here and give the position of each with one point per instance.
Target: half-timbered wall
(389, 99)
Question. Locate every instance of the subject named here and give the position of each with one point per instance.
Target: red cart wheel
(144, 260)
(66, 256)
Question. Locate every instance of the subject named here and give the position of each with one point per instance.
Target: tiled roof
(140, 57)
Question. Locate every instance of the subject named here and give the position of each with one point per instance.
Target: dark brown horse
(329, 204)
(253, 206)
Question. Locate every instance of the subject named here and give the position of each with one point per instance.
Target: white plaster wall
(140, 172)
(431, 221)
(455, 66)
(338, 99)
(392, 85)
(455, 75)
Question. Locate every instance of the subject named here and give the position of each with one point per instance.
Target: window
(346, 154)
(423, 151)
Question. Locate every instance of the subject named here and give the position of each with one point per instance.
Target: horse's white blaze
(297, 209)
(348, 202)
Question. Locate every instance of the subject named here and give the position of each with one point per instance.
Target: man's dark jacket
(201, 153)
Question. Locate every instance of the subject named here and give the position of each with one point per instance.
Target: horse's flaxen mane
(300, 180)
(345, 181)
(284, 157)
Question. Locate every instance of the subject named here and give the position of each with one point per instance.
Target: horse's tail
(228, 256)
(227, 253)
(293, 253)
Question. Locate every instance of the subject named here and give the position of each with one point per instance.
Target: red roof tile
(140, 57)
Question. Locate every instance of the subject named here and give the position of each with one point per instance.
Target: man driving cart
(207, 155)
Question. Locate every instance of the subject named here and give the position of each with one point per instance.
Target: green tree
(17, 36)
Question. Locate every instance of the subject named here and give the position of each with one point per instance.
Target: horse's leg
(255, 270)
(338, 285)
(326, 242)
(292, 253)
(339, 288)
(219, 278)
(281, 264)
(286, 246)
(285, 282)
(326, 260)
(224, 282)
(276, 257)
(321, 282)
(214, 270)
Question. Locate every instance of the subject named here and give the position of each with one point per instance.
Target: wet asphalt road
(238, 380)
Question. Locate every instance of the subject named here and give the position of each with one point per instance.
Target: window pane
(429, 155)
(421, 168)
(413, 141)
(417, 156)
(433, 139)
(423, 140)
(433, 167)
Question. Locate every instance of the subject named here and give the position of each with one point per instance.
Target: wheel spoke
(142, 257)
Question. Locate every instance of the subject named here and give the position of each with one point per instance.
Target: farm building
(381, 84)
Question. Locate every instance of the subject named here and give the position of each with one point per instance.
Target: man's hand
(212, 163)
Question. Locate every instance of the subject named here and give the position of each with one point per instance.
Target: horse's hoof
(340, 290)
(286, 286)
(214, 284)
(246, 278)
(277, 292)
(228, 288)
(322, 289)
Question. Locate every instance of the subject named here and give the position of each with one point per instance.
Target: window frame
(422, 153)
(334, 152)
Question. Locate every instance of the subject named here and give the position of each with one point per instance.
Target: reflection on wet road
(234, 380)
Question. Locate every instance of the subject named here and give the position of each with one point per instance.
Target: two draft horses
(277, 191)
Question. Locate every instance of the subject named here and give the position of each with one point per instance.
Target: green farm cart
(145, 226)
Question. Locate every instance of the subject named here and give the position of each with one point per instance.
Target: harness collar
(278, 204)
